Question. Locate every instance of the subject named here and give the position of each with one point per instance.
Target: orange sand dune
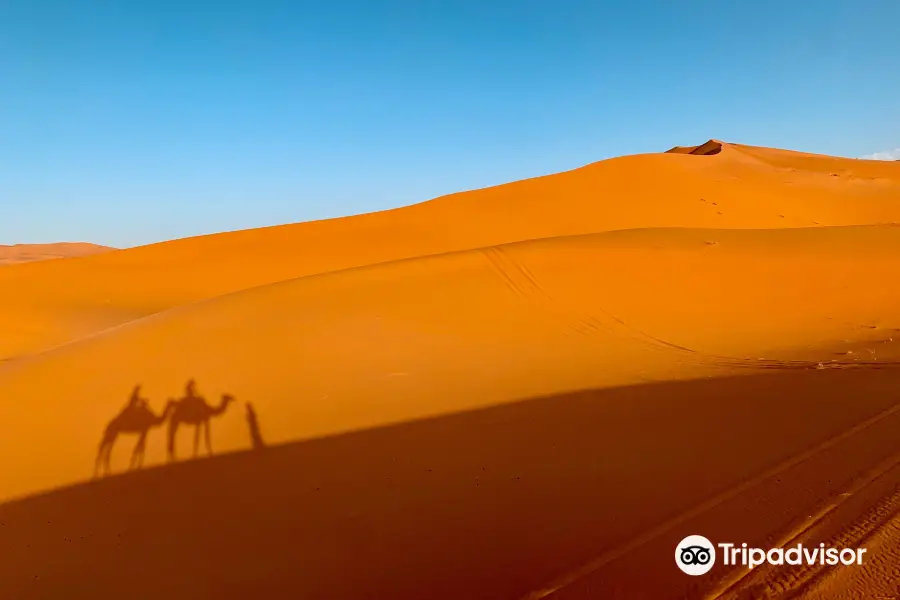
(20, 253)
(49, 303)
(528, 391)
(433, 335)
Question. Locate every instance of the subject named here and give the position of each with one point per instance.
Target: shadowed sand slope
(52, 302)
(428, 336)
(21, 253)
(484, 505)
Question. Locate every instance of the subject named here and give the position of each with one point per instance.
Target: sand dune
(532, 390)
(48, 303)
(20, 253)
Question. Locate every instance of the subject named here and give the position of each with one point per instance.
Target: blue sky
(125, 123)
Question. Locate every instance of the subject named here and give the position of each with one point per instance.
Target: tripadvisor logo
(696, 555)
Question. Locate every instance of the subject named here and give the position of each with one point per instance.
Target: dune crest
(740, 187)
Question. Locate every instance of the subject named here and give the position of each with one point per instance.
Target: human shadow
(135, 418)
(256, 439)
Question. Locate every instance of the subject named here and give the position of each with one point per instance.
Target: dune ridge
(737, 188)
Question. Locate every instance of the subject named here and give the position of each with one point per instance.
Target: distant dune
(526, 391)
(20, 253)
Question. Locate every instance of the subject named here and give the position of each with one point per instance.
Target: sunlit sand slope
(48, 303)
(427, 336)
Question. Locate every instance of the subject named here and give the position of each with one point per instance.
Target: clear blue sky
(132, 121)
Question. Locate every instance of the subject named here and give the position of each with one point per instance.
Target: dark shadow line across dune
(482, 505)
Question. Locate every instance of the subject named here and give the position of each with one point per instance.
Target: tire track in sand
(519, 278)
(784, 582)
(879, 578)
(607, 557)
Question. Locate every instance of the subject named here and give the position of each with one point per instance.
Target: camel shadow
(138, 418)
(193, 409)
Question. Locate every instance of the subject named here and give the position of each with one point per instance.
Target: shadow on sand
(488, 504)
(138, 418)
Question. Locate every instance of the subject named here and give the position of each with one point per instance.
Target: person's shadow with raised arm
(136, 417)
(255, 435)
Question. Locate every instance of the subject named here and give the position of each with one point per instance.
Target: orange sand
(729, 311)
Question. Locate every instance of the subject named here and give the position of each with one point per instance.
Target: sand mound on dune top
(709, 148)
(21, 253)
